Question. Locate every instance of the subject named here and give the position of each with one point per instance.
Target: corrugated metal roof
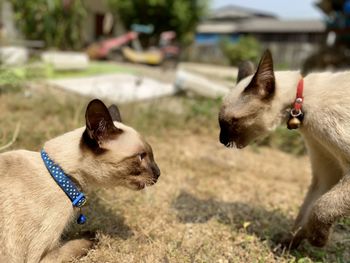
(236, 12)
(221, 28)
(262, 25)
(274, 25)
(235, 19)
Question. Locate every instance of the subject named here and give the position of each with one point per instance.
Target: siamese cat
(261, 101)
(34, 209)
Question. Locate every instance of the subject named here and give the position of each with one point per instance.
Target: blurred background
(167, 64)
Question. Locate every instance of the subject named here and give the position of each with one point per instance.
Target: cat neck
(66, 151)
(286, 86)
(285, 94)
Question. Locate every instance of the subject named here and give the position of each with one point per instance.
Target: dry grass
(211, 204)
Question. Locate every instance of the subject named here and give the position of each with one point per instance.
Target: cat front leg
(327, 209)
(72, 249)
(293, 239)
(326, 172)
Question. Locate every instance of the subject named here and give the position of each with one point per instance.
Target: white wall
(7, 19)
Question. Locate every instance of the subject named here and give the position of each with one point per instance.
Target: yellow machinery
(151, 57)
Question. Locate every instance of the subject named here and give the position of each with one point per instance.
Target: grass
(211, 204)
(17, 75)
(94, 68)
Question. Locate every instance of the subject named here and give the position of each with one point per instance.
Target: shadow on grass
(267, 225)
(100, 218)
(263, 223)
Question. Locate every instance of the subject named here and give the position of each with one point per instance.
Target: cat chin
(137, 186)
(140, 185)
(241, 146)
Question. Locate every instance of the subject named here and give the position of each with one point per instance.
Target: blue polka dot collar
(78, 198)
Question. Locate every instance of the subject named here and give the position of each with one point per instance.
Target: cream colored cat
(259, 103)
(34, 210)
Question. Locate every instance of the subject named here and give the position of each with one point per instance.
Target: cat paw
(318, 233)
(89, 235)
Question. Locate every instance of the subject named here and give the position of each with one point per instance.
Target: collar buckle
(296, 114)
(79, 201)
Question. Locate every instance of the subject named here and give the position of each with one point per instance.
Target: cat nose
(156, 171)
(224, 136)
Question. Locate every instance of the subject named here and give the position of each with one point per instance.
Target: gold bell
(293, 123)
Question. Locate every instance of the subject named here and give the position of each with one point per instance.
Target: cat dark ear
(245, 69)
(263, 81)
(115, 113)
(99, 124)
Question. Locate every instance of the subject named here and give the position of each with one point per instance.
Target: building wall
(93, 7)
(214, 38)
(99, 7)
(308, 37)
(290, 55)
(290, 49)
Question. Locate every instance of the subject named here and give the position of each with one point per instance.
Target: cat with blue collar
(41, 193)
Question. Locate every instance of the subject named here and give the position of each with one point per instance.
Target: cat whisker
(231, 144)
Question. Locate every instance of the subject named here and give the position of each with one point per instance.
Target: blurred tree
(181, 16)
(247, 48)
(57, 22)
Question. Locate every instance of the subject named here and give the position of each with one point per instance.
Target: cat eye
(142, 156)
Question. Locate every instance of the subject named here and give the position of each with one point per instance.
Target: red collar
(298, 103)
(296, 115)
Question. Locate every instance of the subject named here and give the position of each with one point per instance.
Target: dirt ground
(211, 204)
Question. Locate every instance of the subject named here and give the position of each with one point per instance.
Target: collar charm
(77, 198)
(296, 114)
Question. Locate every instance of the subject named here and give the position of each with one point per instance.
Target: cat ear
(99, 123)
(245, 69)
(263, 81)
(115, 113)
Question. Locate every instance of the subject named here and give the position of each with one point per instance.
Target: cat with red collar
(319, 106)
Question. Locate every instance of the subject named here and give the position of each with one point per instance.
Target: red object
(298, 103)
(168, 35)
(113, 43)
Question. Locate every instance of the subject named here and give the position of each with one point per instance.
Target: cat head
(117, 154)
(244, 114)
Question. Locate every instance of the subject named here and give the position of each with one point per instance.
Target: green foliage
(59, 23)
(247, 48)
(9, 81)
(181, 16)
(12, 80)
(289, 141)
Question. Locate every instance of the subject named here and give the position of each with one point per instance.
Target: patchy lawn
(38, 70)
(94, 68)
(211, 204)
